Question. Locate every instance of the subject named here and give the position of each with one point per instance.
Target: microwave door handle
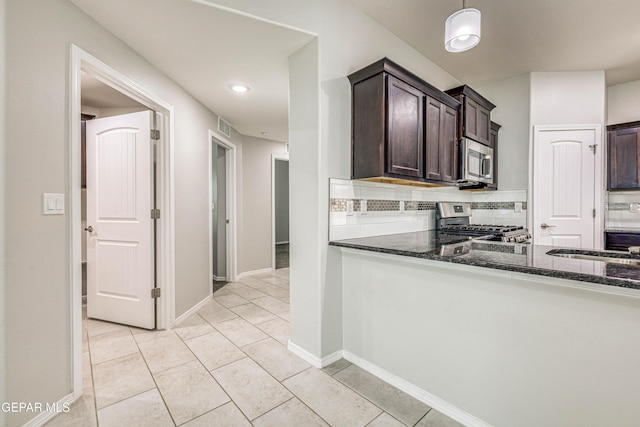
(486, 167)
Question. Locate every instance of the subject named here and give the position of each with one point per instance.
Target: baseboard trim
(331, 358)
(219, 278)
(192, 310)
(423, 396)
(43, 417)
(314, 360)
(251, 273)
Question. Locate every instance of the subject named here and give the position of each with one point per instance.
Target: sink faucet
(634, 250)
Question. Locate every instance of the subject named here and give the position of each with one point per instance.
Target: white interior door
(120, 251)
(564, 187)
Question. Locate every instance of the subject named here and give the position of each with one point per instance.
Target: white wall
(38, 341)
(622, 102)
(512, 100)
(3, 342)
(507, 348)
(281, 201)
(568, 97)
(255, 252)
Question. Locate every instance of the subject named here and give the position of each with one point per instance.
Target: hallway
(228, 365)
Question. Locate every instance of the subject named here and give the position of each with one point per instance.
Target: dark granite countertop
(523, 258)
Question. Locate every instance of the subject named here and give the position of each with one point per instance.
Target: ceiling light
(239, 88)
(462, 29)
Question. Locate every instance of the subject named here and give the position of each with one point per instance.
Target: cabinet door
(405, 130)
(477, 121)
(620, 241)
(434, 122)
(624, 159)
(442, 142)
(449, 144)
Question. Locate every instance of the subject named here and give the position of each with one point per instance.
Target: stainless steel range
(453, 218)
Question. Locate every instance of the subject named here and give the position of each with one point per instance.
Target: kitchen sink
(604, 256)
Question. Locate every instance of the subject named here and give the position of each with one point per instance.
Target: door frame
(216, 139)
(80, 61)
(274, 158)
(598, 184)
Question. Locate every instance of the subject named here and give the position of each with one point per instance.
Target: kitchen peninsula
(498, 334)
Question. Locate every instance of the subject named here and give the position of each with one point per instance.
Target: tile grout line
(423, 417)
(93, 383)
(164, 402)
(374, 404)
(210, 371)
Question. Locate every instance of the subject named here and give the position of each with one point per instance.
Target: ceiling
(96, 94)
(522, 36)
(209, 48)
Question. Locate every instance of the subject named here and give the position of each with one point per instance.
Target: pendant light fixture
(462, 29)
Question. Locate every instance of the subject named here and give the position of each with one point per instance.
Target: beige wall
(512, 100)
(255, 248)
(622, 101)
(568, 97)
(3, 343)
(38, 339)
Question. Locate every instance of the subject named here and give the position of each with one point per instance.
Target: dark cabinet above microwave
(475, 118)
(404, 130)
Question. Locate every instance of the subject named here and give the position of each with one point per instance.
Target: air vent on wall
(224, 127)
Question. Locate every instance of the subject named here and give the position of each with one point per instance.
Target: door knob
(89, 229)
(545, 226)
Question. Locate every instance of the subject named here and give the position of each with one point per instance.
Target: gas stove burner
(454, 218)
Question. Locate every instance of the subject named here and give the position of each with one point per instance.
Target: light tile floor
(228, 365)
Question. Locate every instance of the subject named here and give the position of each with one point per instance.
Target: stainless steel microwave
(477, 162)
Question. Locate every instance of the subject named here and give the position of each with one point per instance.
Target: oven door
(477, 162)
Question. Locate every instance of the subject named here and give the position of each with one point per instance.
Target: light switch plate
(363, 207)
(52, 204)
(517, 207)
(349, 207)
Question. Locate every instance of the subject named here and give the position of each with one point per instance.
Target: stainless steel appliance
(454, 218)
(477, 163)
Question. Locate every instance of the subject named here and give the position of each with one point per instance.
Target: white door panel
(119, 202)
(564, 196)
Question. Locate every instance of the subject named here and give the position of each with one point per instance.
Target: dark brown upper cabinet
(475, 120)
(442, 141)
(405, 125)
(403, 129)
(623, 156)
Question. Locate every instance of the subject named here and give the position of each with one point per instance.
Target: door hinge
(155, 134)
(155, 293)
(155, 213)
(593, 148)
(594, 212)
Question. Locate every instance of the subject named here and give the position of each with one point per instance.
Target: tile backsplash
(623, 209)
(394, 209)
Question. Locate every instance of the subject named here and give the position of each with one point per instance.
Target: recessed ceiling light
(239, 88)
